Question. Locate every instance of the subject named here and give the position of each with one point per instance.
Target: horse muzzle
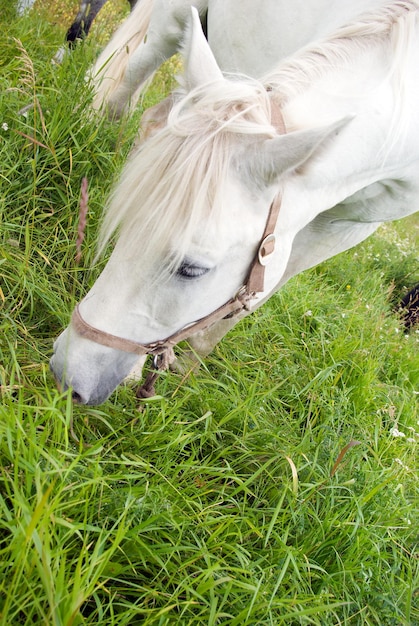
(91, 371)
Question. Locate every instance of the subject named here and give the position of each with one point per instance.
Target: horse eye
(190, 271)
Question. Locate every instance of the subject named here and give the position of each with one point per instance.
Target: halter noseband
(162, 351)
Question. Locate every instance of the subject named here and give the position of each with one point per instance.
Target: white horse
(197, 198)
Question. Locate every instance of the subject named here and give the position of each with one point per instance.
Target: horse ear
(200, 64)
(274, 157)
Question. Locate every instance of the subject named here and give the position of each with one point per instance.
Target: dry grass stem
(84, 202)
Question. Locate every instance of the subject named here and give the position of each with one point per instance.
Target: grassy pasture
(276, 486)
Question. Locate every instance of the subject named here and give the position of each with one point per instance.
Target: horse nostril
(76, 397)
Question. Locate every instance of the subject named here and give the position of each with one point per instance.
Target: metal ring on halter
(266, 249)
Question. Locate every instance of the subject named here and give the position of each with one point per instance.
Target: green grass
(227, 499)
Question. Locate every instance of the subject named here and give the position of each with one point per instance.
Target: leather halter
(163, 350)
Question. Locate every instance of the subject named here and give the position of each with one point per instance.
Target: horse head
(190, 208)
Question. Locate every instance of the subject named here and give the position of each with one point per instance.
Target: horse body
(249, 41)
(193, 200)
(252, 41)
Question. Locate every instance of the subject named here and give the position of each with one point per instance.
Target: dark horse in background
(83, 21)
(87, 12)
(409, 308)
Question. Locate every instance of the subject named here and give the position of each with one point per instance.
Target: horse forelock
(175, 181)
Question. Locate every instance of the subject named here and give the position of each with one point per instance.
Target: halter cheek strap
(163, 350)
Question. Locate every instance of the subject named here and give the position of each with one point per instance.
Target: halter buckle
(266, 249)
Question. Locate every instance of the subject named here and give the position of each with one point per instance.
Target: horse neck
(364, 90)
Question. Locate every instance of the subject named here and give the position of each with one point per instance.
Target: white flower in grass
(395, 432)
(5, 126)
(403, 465)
